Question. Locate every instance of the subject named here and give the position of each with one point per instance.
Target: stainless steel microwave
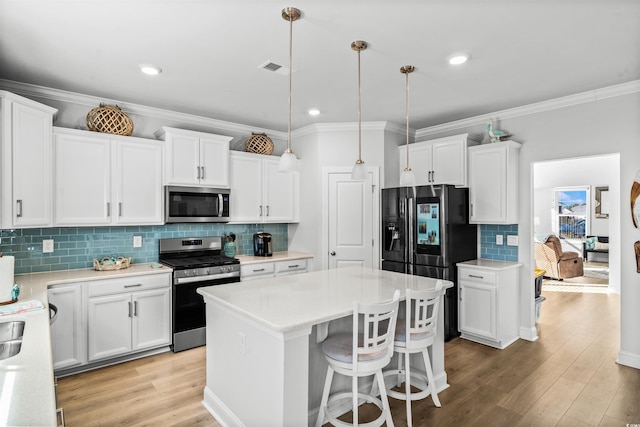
(196, 204)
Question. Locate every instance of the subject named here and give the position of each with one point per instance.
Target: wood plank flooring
(567, 378)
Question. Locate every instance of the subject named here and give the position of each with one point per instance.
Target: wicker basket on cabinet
(259, 143)
(109, 119)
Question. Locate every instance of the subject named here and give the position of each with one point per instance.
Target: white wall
(604, 125)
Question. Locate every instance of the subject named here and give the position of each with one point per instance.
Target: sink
(10, 338)
(11, 330)
(9, 348)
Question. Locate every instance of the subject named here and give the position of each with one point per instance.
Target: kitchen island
(264, 360)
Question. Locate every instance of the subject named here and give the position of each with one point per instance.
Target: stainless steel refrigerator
(426, 231)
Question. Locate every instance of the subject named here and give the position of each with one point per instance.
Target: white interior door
(353, 213)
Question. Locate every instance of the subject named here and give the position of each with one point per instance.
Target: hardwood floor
(567, 378)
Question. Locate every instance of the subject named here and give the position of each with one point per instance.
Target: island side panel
(255, 376)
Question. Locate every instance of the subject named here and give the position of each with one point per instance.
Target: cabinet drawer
(128, 284)
(291, 266)
(259, 269)
(480, 276)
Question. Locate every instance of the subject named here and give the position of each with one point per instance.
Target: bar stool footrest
(331, 418)
(418, 380)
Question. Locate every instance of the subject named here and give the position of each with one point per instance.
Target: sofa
(595, 244)
(550, 257)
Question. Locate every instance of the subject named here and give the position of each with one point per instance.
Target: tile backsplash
(488, 247)
(76, 247)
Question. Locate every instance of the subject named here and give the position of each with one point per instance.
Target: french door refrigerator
(426, 231)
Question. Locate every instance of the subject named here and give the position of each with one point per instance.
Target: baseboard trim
(628, 359)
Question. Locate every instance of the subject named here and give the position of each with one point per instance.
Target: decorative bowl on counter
(111, 263)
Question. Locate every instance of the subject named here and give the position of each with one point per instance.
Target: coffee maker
(262, 244)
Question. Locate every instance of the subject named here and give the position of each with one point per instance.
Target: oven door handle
(184, 280)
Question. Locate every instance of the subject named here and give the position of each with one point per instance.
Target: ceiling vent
(272, 66)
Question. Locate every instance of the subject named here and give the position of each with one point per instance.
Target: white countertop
(27, 396)
(490, 264)
(277, 256)
(289, 302)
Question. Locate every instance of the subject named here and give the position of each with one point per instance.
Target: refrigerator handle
(410, 243)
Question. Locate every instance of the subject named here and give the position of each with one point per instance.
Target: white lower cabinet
(488, 302)
(68, 330)
(128, 316)
(261, 270)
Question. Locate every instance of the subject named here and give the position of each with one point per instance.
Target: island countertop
(290, 302)
(260, 338)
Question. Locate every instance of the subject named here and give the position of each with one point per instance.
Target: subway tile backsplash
(76, 247)
(488, 247)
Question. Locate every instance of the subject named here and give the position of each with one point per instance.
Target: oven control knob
(206, 271)
(187, 272)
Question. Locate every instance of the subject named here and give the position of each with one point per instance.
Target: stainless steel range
(196, 262)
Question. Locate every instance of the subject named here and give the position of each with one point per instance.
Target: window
(571, 212)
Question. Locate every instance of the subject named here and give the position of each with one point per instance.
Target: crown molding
(538, 107)
(29, 90)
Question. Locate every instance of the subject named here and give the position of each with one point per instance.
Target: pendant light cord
(290, 73)
(407, 109)
(359, 114)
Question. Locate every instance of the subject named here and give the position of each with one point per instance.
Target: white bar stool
(416, 336)
(362, 352)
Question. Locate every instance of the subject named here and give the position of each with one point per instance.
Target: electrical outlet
(243, 344)
(512, 240)
(137, 241)
(499, 240)
(47, 246)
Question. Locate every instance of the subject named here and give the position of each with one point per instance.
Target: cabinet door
(449, 165)
(109, 325)
(477, 307)
(214, 162)
(182, 159)
(82, 180)
(138, 176)
(151, 319)
(280, 194)
(245, 179)
(31, 166)
(68, 331)
(488, 185)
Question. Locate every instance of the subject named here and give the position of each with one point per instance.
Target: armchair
(558, 264)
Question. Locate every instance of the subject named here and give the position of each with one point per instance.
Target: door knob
(333, 253)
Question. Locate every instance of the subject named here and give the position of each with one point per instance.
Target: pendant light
(359, 171)
(407, 178)
(288, 160)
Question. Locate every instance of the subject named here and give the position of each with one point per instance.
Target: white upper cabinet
(493, 183)
(438, 161)
(195, 158)
(25, 145)
(103, 179)
(259, 192)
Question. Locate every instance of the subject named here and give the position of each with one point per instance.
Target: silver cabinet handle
(258, 270)
(294, 266)
(129, 308)
(108, 208)
(476, 277)
(135, 308)
(433, 176)
(119, 208)
(18, 208)
(267, 210)
(137, 285)
(333, 253)
(220, 204)
(203, 170)
(260, 210)
(198, 172)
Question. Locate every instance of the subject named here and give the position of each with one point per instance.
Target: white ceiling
(523, 51)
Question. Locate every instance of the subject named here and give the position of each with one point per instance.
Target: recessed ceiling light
(314, 112)
(458, 58)
(149, 69)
